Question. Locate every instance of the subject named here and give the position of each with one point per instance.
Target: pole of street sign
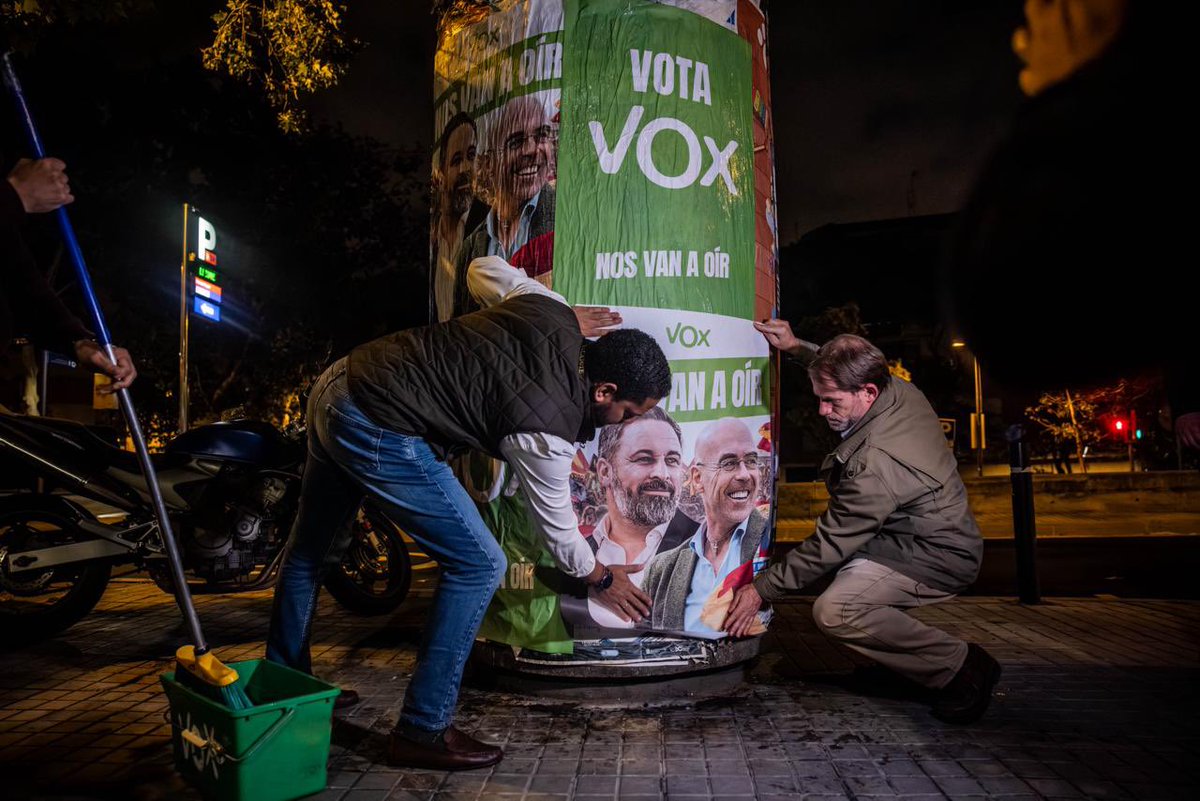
(978, 428)
(1130, 436)
(981, 436)
(183, 327)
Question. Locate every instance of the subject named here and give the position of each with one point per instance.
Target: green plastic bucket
(274, 751)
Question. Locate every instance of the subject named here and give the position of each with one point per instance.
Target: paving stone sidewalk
(1099, 699)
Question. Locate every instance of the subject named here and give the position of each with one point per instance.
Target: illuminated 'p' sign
(207, 245)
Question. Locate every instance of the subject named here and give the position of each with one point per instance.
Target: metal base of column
(494, 666)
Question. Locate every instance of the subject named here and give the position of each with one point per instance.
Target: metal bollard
(1024, 522)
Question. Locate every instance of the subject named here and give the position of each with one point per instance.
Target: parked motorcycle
(231, 489)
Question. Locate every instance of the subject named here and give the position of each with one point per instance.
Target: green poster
(656, 179)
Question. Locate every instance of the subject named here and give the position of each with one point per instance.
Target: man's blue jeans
(350, 458)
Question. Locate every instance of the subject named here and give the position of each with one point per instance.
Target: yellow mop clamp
(206, 667)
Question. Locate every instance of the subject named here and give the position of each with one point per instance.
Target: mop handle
(182, 596)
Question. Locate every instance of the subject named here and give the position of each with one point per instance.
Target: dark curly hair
(631, 360)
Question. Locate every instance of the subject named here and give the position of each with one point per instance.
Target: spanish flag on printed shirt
(744, 574)
(579, 465)
(764, 445)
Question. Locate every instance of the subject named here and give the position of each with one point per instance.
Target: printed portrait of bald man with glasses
(690, 586)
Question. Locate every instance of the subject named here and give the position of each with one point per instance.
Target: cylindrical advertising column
(620, 152)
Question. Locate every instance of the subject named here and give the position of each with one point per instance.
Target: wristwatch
(605, 581)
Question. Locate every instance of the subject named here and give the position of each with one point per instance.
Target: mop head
(210, 677)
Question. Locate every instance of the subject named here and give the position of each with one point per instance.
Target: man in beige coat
(898, 529)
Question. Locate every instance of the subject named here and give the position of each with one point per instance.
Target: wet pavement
(1099, 699)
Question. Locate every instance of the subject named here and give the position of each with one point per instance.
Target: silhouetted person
(1075, 211)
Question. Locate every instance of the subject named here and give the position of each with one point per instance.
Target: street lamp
(978, 438)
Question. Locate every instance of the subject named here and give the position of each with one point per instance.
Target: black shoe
(345, 700)
(453, 750)
(966, 697)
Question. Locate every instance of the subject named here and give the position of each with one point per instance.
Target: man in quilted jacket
(516, 380)
(897, 530)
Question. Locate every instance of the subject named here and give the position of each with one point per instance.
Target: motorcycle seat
(80, 444)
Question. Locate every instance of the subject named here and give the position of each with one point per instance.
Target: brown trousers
(864, 609)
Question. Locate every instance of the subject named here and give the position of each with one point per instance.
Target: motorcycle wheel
(37, 605)
(376, 572)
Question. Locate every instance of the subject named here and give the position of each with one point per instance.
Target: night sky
(882, 109)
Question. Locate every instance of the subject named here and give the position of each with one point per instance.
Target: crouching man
(898, 529)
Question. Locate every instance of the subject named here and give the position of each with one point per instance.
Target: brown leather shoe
(455, 751)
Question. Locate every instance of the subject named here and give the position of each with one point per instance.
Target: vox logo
(687, 335)
(611, 158)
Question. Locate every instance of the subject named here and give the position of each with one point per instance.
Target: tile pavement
(1099, 700)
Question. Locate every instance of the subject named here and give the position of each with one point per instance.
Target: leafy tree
(1066, 417)
(286, 48)
(1081, 417)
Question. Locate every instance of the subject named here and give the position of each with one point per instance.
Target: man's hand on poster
(715, 614)
(778, 334)
(596, 321)
(623, 597)
(742, 620)
(122, 373)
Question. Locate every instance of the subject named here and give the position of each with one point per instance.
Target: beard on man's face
(460, 195)
(643, 509)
